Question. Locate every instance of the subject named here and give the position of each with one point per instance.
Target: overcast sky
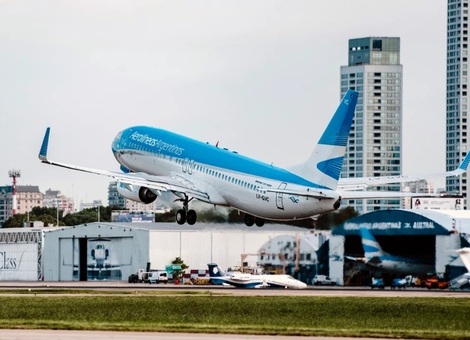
(260, 77)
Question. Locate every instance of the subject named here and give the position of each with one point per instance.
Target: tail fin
(370, 245)
(324, 164)
(465, 256)
(214, 270)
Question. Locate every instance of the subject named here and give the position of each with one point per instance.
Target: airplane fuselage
(402, 265)
(228, 178)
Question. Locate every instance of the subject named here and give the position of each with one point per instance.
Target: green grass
(430, 318)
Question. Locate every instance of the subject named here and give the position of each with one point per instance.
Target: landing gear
(191, 217)
(181, 216)
(259, 222)
(250, 220)
(186, 215)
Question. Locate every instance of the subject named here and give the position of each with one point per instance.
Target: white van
(158, 276)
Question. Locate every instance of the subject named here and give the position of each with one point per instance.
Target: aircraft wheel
(191, 217)
(259, 222)
(249, 220)
(181, 216)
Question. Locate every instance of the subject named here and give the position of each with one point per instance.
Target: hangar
(432, 234)
(113, 251)
(21, 254)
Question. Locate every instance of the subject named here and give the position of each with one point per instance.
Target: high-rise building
(54, 199)
(375, 143)
(6, 203)
(114, 198)
(29, 197)
(456, 94)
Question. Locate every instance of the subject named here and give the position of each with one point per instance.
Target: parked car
(323, 280)
(377, 283)
(399, 283)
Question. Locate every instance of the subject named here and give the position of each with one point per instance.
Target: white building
(375, 142)
(113, 251)
(457, 95)
(54, 199)
(21, 254)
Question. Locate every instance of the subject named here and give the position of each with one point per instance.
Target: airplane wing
(364, 182)
(363, 194)
(157, 183)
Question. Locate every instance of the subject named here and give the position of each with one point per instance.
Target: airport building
(21, 252)
(457, 94)
(113, 251)
(431, 235)
(375, 142)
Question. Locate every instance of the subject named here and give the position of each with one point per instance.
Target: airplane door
(280, 197)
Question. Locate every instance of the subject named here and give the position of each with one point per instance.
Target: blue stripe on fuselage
(154, 140)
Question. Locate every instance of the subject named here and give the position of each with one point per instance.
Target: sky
(261, 77)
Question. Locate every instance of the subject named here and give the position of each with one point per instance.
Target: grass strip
(429, 318)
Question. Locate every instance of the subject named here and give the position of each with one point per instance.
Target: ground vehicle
(153, 276)
(158, 276)
(436, 282)
(323, 280)
(139, 277)
(399, 283)
(377, 283)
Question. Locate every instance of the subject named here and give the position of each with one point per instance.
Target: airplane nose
(116, 145)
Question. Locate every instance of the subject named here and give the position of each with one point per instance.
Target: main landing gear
(186, 215)
(250, 220)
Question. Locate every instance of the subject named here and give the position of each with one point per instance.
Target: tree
(15, 221)
(178, 273)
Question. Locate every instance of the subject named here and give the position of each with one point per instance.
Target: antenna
(14, 174)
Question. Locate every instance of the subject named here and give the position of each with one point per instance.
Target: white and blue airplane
(154, 160)
(246, 280)
(376, 258)
(464, 279)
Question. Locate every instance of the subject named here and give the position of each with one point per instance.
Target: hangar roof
(408, 222)
(185, 227)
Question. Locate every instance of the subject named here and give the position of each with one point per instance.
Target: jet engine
(136, 193)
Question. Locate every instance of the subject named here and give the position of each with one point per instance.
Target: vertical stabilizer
(324, 164)
(465, 256)
(214, 270)
(370, 245)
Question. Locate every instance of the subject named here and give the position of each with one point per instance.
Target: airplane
(153, 160)
(99, 254)
(463, 279)
(376, 258)
(245, 280)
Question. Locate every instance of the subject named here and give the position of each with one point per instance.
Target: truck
(323, 280)
(158, 276)
(377, 283)
(399, 283)
(152, 276)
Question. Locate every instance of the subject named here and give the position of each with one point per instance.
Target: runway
(226, 290)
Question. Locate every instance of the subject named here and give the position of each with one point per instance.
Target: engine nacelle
(136, 193)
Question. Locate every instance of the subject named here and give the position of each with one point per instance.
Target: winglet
(462, 166)
(45, 142)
